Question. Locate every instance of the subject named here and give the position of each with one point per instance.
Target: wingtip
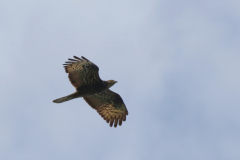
(85, 58)
(77, 58)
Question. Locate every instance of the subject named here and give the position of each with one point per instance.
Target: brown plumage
(83, 75)
(109, 105)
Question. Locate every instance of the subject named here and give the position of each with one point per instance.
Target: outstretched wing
(82, 72)
(109, 105)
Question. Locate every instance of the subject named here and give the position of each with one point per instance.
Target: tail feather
(66, 98)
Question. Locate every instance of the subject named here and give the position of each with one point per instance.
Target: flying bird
(83, 74)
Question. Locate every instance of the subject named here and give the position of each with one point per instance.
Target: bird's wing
(82, 72)
(109, 105)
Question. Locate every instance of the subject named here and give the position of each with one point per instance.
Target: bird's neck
(105, 84)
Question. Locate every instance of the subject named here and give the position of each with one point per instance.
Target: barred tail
(66, 98)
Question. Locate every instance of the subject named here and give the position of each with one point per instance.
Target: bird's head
(111, 83)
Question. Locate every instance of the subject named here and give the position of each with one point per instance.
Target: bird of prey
(83, 74)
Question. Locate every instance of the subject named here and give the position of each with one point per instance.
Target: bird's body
(83, 75)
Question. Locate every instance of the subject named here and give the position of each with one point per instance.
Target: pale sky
(177, 67)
